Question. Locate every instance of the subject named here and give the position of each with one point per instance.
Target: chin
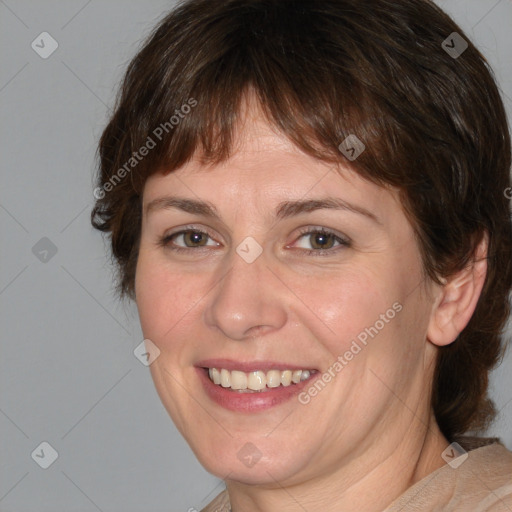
(249, 462)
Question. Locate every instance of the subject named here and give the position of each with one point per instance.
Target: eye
(186, 239)
(321, 240)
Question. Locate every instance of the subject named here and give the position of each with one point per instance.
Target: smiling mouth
(257, 381)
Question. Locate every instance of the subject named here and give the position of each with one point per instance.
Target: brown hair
(432, 122)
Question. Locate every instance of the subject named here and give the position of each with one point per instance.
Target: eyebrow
(284, 210)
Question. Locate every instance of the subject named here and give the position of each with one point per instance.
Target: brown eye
(194, 238)
(187, 239)
(321, 241)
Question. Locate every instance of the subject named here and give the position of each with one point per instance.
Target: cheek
(170, 300)
(163, 295)
(345, 304)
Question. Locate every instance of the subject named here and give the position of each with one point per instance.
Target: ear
(457, 298)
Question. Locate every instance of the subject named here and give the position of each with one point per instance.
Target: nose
(247, 301)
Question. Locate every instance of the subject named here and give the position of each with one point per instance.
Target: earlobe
(458, 298)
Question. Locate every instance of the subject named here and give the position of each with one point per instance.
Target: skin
(370, 434)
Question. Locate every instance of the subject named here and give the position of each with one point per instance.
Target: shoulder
(489, 475)
(480, 481)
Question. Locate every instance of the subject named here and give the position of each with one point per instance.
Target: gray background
(68, 373)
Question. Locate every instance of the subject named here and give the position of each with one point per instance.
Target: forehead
(266, 168)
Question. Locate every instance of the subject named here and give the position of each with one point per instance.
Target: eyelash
(343, 243)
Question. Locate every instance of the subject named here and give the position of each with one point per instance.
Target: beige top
(482, 483)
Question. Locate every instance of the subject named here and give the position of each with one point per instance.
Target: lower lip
(250, 402)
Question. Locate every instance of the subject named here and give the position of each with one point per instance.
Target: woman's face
(257, 293)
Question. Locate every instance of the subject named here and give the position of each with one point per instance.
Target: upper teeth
(257, 380)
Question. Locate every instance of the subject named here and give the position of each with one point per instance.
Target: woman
(307, 201)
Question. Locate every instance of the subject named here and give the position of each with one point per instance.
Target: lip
(250, 402)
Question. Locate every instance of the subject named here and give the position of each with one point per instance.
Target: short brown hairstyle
(433, 124)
